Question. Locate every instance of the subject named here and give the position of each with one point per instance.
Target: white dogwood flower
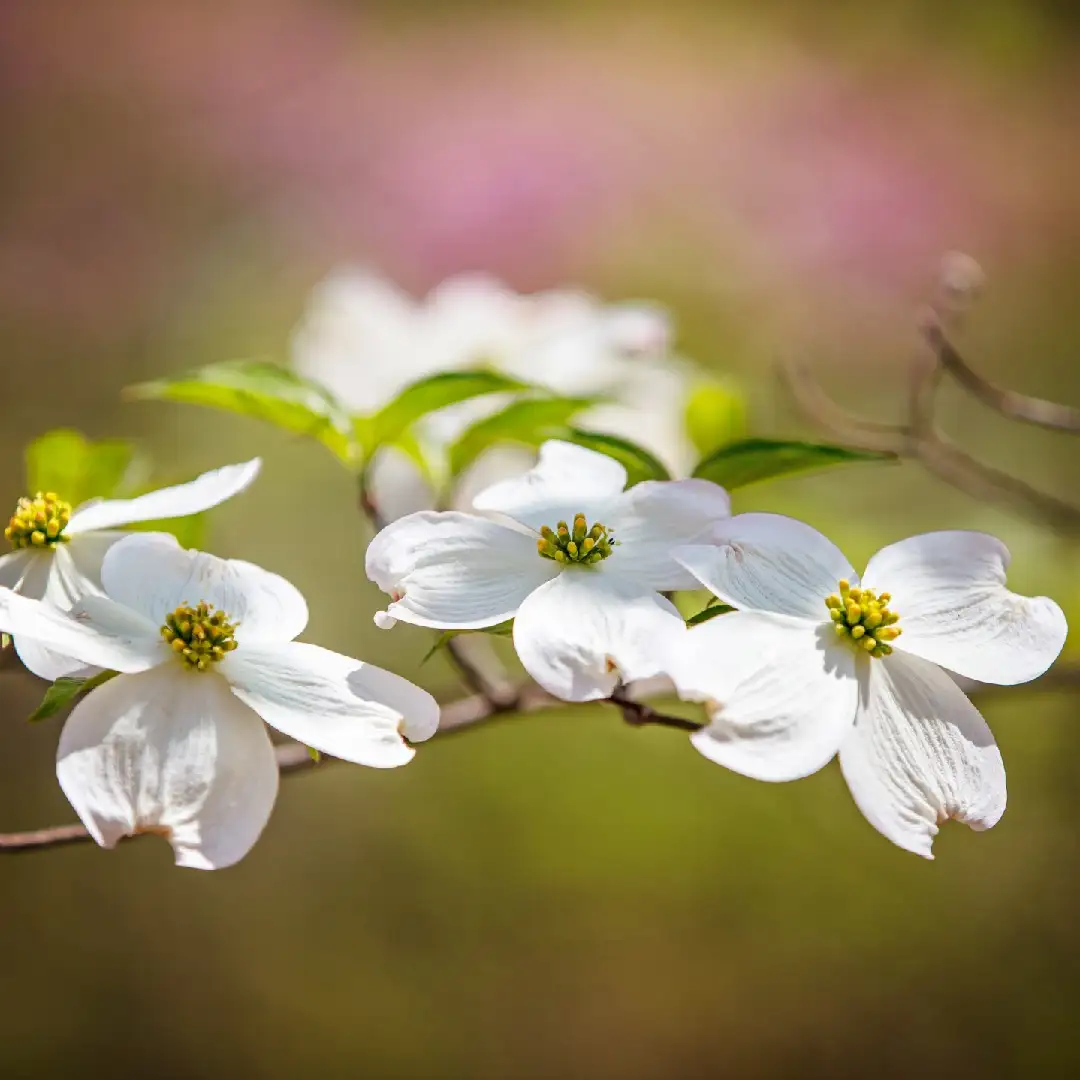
(59, 551)
(816, 662)
(365, 339)
(176, 744)
(577, 562)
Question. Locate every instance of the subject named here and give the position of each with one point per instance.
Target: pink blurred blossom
(520, 146)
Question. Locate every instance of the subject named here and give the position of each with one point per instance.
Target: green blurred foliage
(716, 415)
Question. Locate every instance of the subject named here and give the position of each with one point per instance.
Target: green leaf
(754, 460)
(264, 391)
(503, 629)
(428, 396)
(64, 691)
(527, 422)
(708, 613)
(77, 469)
(638, 462)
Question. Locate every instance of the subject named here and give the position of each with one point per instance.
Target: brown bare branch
(1008, 403)
(294, 758)
(919, 439)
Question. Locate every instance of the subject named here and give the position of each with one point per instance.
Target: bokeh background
(554, 896)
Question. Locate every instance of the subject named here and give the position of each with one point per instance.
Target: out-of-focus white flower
(577, 562)
(176, 743)
(59, 551)
(816, 663)
(365, 340)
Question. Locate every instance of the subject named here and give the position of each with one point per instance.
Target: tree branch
(919, 438)
(638, 714)
(1008, 403)
(469, 712)
(294, 758)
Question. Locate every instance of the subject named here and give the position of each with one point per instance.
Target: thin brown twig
(919, 438)
(1009, 403)
(638, 714)
(466, 713)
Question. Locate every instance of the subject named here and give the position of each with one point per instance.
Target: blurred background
(555, 895)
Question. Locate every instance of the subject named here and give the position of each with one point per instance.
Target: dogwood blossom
(176, 744)
(365, 339)
(817, 662)
(575, 560)
(59, 551)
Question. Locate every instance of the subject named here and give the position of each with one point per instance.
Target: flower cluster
(175, 743)
(812, 663)
(365, 339)
(184, 658)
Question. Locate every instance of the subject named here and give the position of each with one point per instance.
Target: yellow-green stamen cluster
(39, 522)
(199, 636)
(863, 617)
(579, 543)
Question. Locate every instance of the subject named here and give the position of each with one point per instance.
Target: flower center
(39, 522)
(863, 617)
(199, 636)
(576, 544)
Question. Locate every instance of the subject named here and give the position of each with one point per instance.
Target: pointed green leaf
(503, 629)
(527, 422)
(753, 460)
(78, 469)
(264, 391)
(64, 691)
(428, 396)
(708, 613)
(638, 462)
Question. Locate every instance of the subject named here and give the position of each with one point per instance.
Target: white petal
(566, 480)
(191, 498)
(949, 591)
(118, 644)
(29, 573)
(360, 338)
(333, 703)
(781, 692)
(455, 571)
(582, 634)
(170, 752)
(767, 562)
(14, 565)
(152, 574)
(63, 577)
(49, 664)
(41, 580)
(34, 570)
(397, 485)
(76, 567)
(920, 754)
(654, 518)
